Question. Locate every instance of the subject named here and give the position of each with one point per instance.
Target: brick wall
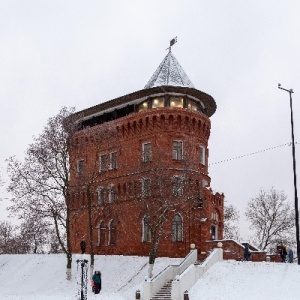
(235, 250)
(200, 209)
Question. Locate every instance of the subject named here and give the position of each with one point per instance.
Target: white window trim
(109, 232)
(181, 227)
(144, 157)
(101, 167)
(100, 188)
(178, 141)
(111, 191)
(144, 194)
(179, 191)
(143, 231)
(202, 155)
(110, 160)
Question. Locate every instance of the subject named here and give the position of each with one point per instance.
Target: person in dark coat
(291, 256)
(246, 252)
(283, 253)
(97, 282)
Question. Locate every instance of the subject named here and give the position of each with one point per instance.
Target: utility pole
(290, 91)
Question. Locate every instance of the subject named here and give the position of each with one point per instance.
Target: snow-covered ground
(42, 277)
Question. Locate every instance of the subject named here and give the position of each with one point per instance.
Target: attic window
(176, 102)
(192, 105)
(143, 106)
(158, 102)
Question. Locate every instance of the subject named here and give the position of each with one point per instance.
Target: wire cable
(249, 154)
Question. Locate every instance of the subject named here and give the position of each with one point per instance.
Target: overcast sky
(82, 53)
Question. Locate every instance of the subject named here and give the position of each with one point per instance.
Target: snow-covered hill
(42, 277)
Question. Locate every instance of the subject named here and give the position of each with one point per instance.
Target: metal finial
(172, 42)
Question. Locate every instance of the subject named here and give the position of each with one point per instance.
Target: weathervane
(172, 42)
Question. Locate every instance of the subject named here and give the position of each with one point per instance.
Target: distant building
(139, 156)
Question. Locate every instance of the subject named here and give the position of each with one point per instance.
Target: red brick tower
(140, 170)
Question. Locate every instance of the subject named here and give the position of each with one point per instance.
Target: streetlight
(290, 91)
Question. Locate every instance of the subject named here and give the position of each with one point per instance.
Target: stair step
(164, 293)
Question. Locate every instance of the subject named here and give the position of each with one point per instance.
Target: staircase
(164, 293)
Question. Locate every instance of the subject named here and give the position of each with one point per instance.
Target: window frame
(103, 163)
(101, 234)
(146, 232)
(177, 150)
(177, 228)
(111, 194)
(112, 233)
(113, 160)
(177, 185)
(146, 187)
(100, 195)
(80, 167)
(147, 152)
(202, 155)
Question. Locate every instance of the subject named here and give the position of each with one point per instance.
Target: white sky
(81, 53)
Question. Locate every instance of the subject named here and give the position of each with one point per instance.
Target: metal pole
(82, 265)
(295, 175)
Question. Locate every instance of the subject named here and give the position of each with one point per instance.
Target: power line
(245, 155)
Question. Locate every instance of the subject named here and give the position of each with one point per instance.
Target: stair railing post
(186, 295)
(138, 294)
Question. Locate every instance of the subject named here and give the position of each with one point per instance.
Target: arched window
(146, 230)
(100, 195)
(101, 234)
(112, 233)
(111, 194)
(214, 232)
(177, 228)
(215, 216)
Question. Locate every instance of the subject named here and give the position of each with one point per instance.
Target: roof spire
(172, 42)
(169, 72)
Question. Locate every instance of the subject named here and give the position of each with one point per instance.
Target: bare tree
(170, 190)
(155, 210)
(40, 184)
(271, 217)
(86, 180)
(231, 222)
(9, 239)
(36, 233)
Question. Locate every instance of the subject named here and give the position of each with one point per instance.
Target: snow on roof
(169, 72)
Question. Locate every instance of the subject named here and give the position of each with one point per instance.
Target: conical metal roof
(170, 73)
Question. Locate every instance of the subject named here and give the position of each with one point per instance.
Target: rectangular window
(113, 161)
(103, 162)
(158, 102)
(146, 190)
(80, 167)
(100, 193)
(146, 230)
(147, 153)
(176, 102)
(111, 194)
(192, 105)
(177, 150)
(202, 155)
(143, 106)
(177, 185)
